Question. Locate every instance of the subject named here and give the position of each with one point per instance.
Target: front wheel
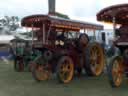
(115, 71)
(41, 69)
(65, 69)
(41, 72)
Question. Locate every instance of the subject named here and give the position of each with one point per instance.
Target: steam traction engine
(118, 65)
(64, 49)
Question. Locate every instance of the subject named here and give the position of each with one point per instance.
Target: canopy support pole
(87, 31)
(48, 33)
(32, 35)
(43, 33)
(94, 34)
(114, 26)
(84, 30)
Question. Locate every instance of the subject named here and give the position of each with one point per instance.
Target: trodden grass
(22, 84)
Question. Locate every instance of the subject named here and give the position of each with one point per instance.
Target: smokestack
(51, 6)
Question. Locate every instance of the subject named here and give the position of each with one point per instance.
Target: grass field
(22, 84)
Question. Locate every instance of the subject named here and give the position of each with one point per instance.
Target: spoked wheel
(65, 69)
(41, 72)
(115, 71)
(94, 59)
(19, 65)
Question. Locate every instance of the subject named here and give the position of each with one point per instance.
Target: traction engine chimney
(51, 7)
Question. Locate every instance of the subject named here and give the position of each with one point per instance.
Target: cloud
(23, 7)
(64, 6)
(85, 10)
(79, 8)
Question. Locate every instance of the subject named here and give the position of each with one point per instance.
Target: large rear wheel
(94, 59)
(115, 71)
(65, 69)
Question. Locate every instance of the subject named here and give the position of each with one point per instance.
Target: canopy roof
(120, 12)
(39, 19)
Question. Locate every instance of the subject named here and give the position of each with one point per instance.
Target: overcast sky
(77, 9)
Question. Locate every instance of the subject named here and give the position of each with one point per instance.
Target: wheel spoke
(62, 74)
(118, 79)
(68, 68)
(40, 68)
(114, 73)
(62, 68)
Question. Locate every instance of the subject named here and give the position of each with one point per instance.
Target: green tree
(62, 15)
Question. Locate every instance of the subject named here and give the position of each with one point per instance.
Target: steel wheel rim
(117, 72)
(96, 60)
(66, 70)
